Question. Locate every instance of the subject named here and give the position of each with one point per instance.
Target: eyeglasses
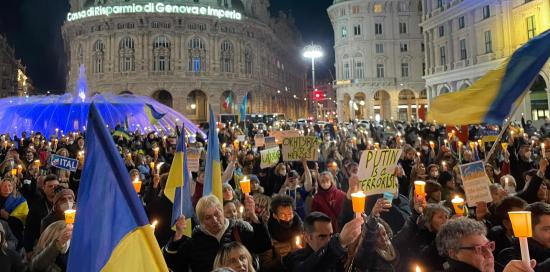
(490, 246)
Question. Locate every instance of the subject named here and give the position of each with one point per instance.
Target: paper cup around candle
(245, 186)
(521, 223)
(69, 216)
(358, 202)
(419, 187)
(37, 163)
(458, 204)
(137, 185)
(14, 172)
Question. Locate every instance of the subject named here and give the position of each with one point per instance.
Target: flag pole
(184, 168)
(507, 123)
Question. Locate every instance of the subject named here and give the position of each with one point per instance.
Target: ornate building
(466, 38)
(379, 59)
(13, 80)
(189, 53)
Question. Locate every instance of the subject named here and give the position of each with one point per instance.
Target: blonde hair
(49, 235)
(205, 203)
(222, 258)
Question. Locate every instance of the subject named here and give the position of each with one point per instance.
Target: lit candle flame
(154, 224)
(417, 269)
(298, 241)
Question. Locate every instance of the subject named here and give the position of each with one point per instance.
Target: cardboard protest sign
(377, 171)
(298, 148)
(241, 138)
(270, 142)
(476, 183)
(270, 157)
(259, 140)
(193, 157)
(281, 134)
(64, 163)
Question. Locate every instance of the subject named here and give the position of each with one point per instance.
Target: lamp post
(313, 52)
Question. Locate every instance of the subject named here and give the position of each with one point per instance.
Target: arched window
(98, 56)
(197, 55)
(248, 61)
(161, 54)
(126, 54)
(227, 57)
(359, 68)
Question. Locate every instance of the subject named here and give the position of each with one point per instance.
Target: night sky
(33, 28)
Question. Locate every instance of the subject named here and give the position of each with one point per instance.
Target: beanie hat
(60, 192)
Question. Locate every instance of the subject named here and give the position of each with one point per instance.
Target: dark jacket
(327, 259)
(412, 241)
(456, 266)
(282, 237)
(498, 235)
(536, 251)
(159, 208)
(49, 219)
(367, 259)
(37, 211)
(10, 238)
(529, 194)
(199, 251)
(10, 261)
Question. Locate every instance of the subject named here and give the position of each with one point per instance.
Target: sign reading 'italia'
(153, 8)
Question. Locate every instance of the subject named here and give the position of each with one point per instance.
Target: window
(248, 61)
(486, 12)
(98, 56)
(402, 7)
(442, 59)
(463, 54)
(439, 3)
(227, 57)
(126, 54)
(404, 47)
(461, 23)
(488, 42)
(379, 70)
(197, 55)
(346, 71)
(531, 27)
(379, 48)
(357, 30)
(378, 29)
(441, 31)
(359, 73)
(355, 9)
(404, 70)
(402, 28)
(161, 54)
(344, 32)
(377, 8)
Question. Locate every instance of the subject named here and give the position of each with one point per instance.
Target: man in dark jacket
(520, 163)
(324, 251)
(199, 251)
(63, 200)
(502, 233)
(539, 245)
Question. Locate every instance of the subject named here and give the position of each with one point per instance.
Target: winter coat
(367, 258)
(457, 266)
(329, 202)
(536, 251)
(10, 261)
(330, 258)
(49, 259)
(283, 237)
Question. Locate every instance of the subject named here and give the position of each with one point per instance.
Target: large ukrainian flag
(213, 173)
(490, 99)
(111, 231)
(178, 185)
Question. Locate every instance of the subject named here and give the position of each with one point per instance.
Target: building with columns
(189, 53)
(466, 38)
(13, 81)
(379, 59)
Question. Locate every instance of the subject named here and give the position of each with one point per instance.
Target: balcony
(486, 57)
(440, 69)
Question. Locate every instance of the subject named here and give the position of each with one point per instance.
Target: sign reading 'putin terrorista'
(377, 171)
(154, 8)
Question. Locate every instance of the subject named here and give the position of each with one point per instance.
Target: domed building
(189, 53)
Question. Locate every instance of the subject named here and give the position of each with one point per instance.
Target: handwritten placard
(193, 159)
(270, 157)
(281, 134)
(298, 148)
(259, 140)
(476, 183)
(377, 171)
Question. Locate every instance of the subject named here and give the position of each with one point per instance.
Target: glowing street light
(313, 52)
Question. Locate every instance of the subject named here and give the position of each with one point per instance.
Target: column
(394, 103)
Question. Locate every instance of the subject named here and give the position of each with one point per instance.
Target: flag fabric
(178, 184)
(153, 115)
(123, 134)
(111, 230)
(17, 207)
(243, 108)
(228, 101)
(490, 99)
(213, 172)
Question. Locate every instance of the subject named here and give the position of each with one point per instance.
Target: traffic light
(318, 95)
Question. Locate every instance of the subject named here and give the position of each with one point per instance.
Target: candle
(504, 146)
(69, 216)
(298, 241)
(236, 144)
(358, 202)
(14, 172)
(417, 269)
(472, 146)
(543, 150)
(521, 224)
(446, 142)
(241, 211)
(137, 185)
(432, 145)
(418, 154)
(154, 224)
(245, 186)
(419, 188)
(376, 146)
(37, 163)
(458, 204)
(156, 150)
(19, 169)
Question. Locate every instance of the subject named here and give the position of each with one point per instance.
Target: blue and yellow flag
(213, 173)
(177, 187)
(111, 231)
(490, 99)
(17, 207)
(153, 115)
(243, 109)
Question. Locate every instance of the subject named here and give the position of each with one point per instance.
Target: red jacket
(329, 202)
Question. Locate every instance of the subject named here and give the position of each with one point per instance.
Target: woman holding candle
(63, 200)
(329, 200)
(13, 206)
(52, 250)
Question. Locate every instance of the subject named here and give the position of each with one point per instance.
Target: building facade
(189, 53)
(379, 59)
(466, 38)
(11, 70)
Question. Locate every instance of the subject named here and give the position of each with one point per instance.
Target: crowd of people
(298, 215)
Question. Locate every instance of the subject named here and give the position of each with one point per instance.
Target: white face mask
(66, 205)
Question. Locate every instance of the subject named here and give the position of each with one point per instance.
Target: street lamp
(313, 52)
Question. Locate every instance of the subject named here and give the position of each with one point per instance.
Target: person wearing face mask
(52, 250)
(329, 199)
(11, 261)
(13, 207)
(63, 200)
(535, 188)
(433, 172)
(284, 225)
(520, 163)
(273, 183)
